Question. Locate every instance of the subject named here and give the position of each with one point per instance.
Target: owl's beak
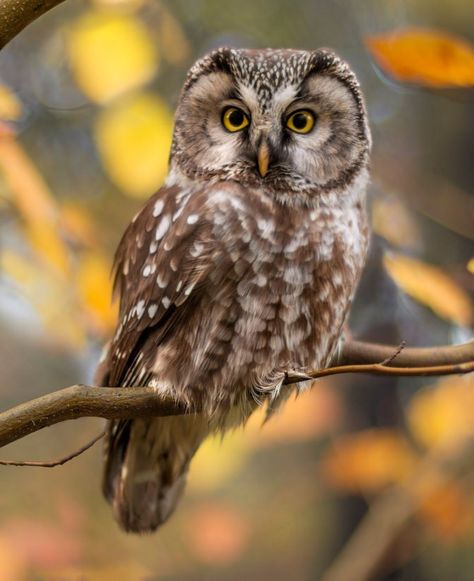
(263, 158)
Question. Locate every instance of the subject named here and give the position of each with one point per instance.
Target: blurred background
(86, 100)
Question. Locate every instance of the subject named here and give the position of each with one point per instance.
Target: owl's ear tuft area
(216, 61)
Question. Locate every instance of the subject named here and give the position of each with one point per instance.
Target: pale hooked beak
(263, 158)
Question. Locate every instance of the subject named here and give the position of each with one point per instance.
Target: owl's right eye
(234, 119)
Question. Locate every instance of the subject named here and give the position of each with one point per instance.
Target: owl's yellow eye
(301, 121)
(234, 119)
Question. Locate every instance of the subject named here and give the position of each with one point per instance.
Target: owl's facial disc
(283, 120)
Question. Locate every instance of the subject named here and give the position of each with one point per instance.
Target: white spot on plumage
(192, 218)
(161, 281)
(163, 227)
(152, 310)
(140, 308)
(158, 208)
(166, 302)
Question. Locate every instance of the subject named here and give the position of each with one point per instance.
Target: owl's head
(287, 121)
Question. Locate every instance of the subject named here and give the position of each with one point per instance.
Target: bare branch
(130, 402)
(81, 401)
(16, 14)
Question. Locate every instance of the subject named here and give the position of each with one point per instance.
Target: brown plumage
(231, 275)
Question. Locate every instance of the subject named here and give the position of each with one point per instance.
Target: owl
(242, 267)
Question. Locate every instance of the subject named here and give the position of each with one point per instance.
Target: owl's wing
(161, 268)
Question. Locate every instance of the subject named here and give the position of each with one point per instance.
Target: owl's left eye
(301, 121)
(234, 119)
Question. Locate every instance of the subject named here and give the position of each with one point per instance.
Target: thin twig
(389, 360)
(54, 463)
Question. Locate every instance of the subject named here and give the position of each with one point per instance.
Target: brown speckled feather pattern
(228, 279)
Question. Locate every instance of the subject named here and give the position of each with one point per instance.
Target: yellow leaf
(134, 137)
(432, 287)
(368, 461)
(95, 291)
(10, 108)
(427, 57)
(110, 54)
(443, 415)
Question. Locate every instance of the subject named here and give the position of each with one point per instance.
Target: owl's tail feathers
(146, 468)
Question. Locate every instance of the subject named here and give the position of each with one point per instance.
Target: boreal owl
(242, 267)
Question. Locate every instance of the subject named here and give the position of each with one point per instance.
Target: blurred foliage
(86, 96)
(428, 57)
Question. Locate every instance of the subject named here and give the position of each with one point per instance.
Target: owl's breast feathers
(222, 289)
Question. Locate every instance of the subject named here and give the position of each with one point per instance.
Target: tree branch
(16, 14)
(130, 402)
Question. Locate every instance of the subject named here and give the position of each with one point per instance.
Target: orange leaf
(432, 287)
(427, 57)
(368, 461)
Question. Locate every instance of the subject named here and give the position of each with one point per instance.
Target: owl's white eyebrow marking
(162, 227)
(284, 96)
(152, 310)
(158, 208)
(192, 219)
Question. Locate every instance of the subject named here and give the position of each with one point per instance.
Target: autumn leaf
(134, 138)
(110, 53)
(429, 285)
(427, 57)
(368, 461)
(443, 414)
